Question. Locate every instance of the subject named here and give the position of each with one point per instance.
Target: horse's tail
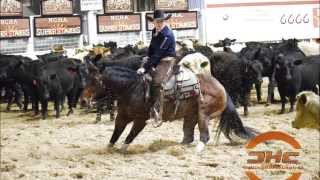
(230, 122)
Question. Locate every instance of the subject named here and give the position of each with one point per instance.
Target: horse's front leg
(99, 112)
(203, 121)
(120, 124)
(137, 127)
(188, 129)
(258, 91)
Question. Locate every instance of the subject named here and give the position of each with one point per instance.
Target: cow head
(307, 115)
(253, 70)
(224, 43)
(197, 63)
(111, 45)
(283, 67)
(42, 83)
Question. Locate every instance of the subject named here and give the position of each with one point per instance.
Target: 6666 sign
(295, 18)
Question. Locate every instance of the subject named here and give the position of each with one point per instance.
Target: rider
(161, 54)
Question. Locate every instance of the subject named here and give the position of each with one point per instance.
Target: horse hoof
(200, 147)
(124, 148)
(98, 120)
(186, 141)
(110, 145)
(70, 112)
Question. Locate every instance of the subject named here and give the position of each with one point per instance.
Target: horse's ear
(257, 53)
(53, 76)
(18, 64)
(297, 62)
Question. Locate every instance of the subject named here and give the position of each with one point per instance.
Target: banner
(11, 8)
(171, 5)
(56, 7)
(119, 23)
(91, 5)
(14, 28)
(55, 26)
(118, 6)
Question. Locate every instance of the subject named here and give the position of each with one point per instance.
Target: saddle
(182, 85)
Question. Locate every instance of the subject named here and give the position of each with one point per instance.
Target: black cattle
(237, 75)
(12, 93)
(45, 80)
(225, 44)
(112, 45)
(50, 57)
(294, 76)
(9, 78)
(27, 73)
(257, 51)
(60, 78)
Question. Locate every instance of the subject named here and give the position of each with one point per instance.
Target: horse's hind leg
(188, 129)
(120, 125)
(137, 127)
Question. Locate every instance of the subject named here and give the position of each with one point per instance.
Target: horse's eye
(204, 64)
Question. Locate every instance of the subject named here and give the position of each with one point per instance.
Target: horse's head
(93, 87)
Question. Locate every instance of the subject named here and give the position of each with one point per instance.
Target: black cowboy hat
(159, 15)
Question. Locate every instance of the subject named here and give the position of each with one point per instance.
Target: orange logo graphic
(267, 160)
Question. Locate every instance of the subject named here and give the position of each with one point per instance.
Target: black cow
(237, 75)
(27, 73)
(50, 57)
(257, 51)
(60, 78)
(225, 44)
(9, 77)
(294, 76)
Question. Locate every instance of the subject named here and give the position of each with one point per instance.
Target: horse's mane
(131, 62)
(120, 76)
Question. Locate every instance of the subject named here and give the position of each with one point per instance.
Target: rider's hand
(141, 71)
(145, 59)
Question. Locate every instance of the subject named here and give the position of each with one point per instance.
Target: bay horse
(130, 92)
(95, 94)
